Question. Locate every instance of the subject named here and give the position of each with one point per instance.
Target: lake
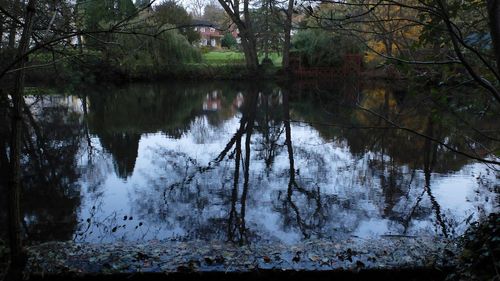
(249, 163)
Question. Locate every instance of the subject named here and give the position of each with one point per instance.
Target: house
(235, 32)
(213, 101)
(210, 34)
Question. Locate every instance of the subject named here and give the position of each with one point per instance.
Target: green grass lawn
(232, 57)
(218, 57)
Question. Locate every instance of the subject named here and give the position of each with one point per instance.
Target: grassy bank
(91, 68)
(232, 57)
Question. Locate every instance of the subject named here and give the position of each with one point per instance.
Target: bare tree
(15, 146)
(243, 20)
(197, 7)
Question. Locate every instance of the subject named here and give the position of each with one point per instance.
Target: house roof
(205, 23)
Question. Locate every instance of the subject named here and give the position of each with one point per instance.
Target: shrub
(481, 251)
(323, 48)
(228, 41)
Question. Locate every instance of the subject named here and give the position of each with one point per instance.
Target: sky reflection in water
(219, 162)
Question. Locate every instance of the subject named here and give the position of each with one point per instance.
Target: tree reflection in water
(307, 204)
(50, 189)
(244, 163)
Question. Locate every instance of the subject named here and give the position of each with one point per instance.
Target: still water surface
(221, 161)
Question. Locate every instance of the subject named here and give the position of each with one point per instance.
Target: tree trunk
(494, 20)
(15, 147)
(267, 8)
(250, 51)
(78, 20)
(287, 42)
(248, 41)
(4, 148)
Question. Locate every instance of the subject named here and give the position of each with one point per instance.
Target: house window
(212, 29)
(202, 29)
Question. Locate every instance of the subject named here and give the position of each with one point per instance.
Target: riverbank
(354, 256)
(92, 70)
(364, 275)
